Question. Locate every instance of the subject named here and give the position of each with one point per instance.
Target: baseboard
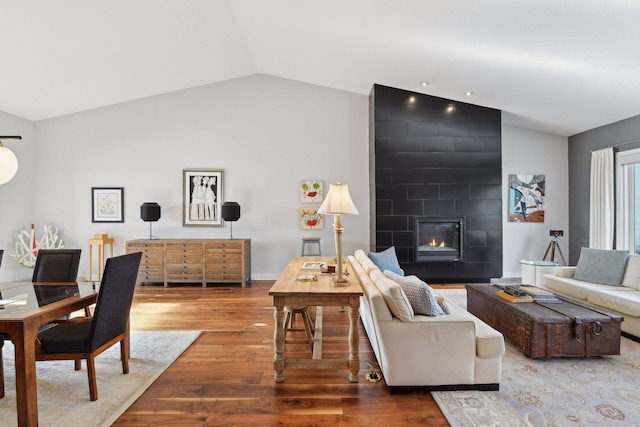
(507, 280)
(631, 337)
(448, 387)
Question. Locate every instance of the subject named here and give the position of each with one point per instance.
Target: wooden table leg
(278, 342)
(354, 342)
(24, 340)
(100, 260)
(90, 262)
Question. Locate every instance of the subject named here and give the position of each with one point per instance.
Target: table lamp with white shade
(338, 202)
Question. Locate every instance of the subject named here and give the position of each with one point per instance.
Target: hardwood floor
(226, 377)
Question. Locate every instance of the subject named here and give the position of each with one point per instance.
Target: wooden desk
(21, 320)
(287, 291)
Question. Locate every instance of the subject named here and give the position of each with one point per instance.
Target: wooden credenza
(193, 261)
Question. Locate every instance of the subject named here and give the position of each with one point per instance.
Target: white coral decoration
(26, 248)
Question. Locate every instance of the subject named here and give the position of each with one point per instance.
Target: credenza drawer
(193, 260)
(151, 276)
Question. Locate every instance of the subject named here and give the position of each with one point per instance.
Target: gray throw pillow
(601, 266)
(387, 260)
(418, 293)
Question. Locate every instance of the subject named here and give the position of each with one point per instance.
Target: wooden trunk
(566, 329)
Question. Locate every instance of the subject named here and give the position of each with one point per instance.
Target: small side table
(532, 271)
(100, 240)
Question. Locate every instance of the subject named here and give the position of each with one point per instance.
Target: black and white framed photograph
(202, 198)
(107, 204)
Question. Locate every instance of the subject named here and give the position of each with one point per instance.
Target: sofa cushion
(420, 297)
(631, 278)
(601, 266)
(368, 265)
(393, 295)
(576, 289)
(387, 260)
(360, 255)
(620, 300)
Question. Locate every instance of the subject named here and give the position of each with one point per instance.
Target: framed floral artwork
(311, 191)
(107, 204)
(310, 219)
(202, 197)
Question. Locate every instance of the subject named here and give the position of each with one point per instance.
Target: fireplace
(439, 239)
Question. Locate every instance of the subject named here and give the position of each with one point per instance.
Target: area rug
(63, 394)
(577, 392)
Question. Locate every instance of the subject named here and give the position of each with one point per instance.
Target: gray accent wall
(442, 158)
(580, 147)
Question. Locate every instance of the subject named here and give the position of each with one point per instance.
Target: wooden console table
(287, 291)
(193, 260)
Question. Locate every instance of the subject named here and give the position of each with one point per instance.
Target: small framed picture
(202, 197)
(107, 204)
(310, 219)
(311, 191)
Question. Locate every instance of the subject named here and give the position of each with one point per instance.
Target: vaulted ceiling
(559, 66)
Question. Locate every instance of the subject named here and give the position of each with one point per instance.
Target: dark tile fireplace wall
(433, 156)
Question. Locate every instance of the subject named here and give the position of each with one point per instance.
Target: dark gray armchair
(86, 338)
(56, 265)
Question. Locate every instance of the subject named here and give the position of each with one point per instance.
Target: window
(628, 200)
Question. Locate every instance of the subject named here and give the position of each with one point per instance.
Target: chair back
(118, 284)
(56, 265)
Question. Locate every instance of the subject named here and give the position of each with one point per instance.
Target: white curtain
(601, 205)
(625, 219)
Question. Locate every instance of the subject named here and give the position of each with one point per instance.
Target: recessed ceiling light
(424, 83)
(468, 93)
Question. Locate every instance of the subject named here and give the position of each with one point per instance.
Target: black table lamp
(150, 212)
(231, 213)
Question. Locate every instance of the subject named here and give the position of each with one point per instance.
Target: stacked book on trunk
(523, 293)
(514, 294)
(539, 294)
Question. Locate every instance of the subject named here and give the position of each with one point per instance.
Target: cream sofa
(455, 351)
(622, 298)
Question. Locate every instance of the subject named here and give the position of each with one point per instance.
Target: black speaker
(150, 211)
(230, 211)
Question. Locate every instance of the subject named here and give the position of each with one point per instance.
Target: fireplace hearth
(439, 239)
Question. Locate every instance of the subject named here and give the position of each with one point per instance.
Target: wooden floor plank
(226, 376)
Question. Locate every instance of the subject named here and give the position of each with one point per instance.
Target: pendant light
(8, 161)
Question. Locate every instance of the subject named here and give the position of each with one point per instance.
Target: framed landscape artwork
(202, 197)
(526, 198)
(107, 204)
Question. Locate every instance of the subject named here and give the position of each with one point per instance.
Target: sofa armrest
(565, 272)
(428, 351)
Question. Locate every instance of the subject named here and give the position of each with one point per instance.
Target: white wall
(530, 152)
(267, 134)
(17, 196)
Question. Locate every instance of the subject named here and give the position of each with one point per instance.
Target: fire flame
(433, 243)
